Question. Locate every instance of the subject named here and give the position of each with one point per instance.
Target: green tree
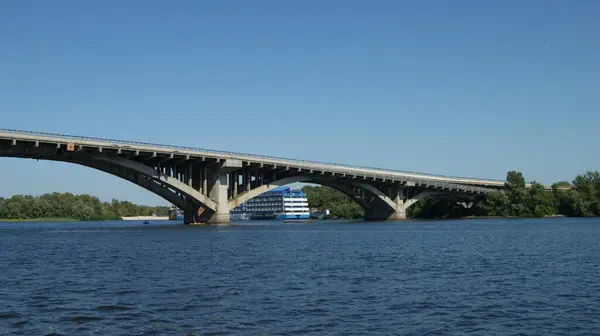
(67, 205)
(495, 203)
(586, 196)
(517, 194)
(339, 205)
(540, 201)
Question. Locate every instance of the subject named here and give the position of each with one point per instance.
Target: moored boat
(282, 203)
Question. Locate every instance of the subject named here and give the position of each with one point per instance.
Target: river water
(480, 277)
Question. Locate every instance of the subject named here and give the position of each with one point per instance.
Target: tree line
(579, 198)
(67, 205)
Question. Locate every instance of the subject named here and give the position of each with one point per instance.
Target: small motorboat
(145, 222)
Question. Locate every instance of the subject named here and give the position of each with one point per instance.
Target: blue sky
(464, 88)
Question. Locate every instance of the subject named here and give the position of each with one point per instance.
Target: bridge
(207, 184)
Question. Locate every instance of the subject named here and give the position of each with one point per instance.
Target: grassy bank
(49, 219)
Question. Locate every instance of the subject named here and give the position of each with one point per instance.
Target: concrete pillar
(399, 213)
(219, 195)
(383, 211)
(236, 181)
(205, 181)
(397, 193)
(466, 205)
(220, 179)
(196, 178)
(387, 213)
(246, 181)
(189, 174)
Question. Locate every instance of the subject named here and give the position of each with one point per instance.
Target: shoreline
(67, 219)
(509, 217)
(35, 220)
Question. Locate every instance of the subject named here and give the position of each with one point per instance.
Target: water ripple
(531, 277)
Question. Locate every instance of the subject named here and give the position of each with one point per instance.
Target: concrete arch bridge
(207, 184)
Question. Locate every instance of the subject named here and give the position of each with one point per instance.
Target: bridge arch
(167, 187)
(374, 201)
(180, 187)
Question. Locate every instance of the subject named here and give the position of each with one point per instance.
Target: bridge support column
(379, 214)
(219, 195)
(399, 213)
(466, 205)
(395, 210)
(397, 195)
(220, 189)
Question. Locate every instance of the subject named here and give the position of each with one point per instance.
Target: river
(480, 277)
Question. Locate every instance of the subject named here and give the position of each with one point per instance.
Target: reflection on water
(481, 277)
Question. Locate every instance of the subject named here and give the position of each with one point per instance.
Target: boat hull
(279, 216)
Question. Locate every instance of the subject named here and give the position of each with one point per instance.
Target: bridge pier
(394, 214)
(223, 182)
(399, 213)
(381, 214)
(394, 209)
(219, 193)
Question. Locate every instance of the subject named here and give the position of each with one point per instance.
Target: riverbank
(67, 219)
(47, 219)
(508, 217)
(135, 218)
(481, 217)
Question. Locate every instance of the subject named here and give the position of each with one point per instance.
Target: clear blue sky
(466, 88)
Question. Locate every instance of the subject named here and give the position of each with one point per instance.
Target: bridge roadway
(207, 184)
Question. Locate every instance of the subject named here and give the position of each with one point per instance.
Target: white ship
(282, 203)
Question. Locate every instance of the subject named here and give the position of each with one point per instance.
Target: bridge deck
(190, 152)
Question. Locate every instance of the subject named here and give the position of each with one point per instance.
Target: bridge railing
(342, 167)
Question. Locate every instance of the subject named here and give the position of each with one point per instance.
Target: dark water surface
(480, 277)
